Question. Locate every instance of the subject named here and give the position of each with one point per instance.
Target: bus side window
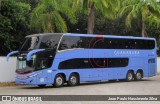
(49, 42)
(115, 44)
(64, 43)
(120, 43)
(126, 44)
(70, 42)
(135, 44)
(108, 43)
(150, 44)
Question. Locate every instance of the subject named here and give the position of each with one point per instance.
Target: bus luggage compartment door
(151, 67)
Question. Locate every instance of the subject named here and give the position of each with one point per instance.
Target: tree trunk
(144, 33)
(90, 28)
(143, 28)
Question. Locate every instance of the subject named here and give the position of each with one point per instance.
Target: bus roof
(110, 36)
(90, 35)
(44, 34)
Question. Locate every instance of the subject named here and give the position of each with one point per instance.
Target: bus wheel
(73, 80)
(59, 80)
(138, 76)
(129, 76)
(42, 86)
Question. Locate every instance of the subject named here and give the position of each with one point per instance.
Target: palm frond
(147, 10)
(67, 12)
(153, 21)
(76, 4)
(60, 23)
(47, 16)
(128, 20)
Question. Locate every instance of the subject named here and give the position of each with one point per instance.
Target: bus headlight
(33, 75)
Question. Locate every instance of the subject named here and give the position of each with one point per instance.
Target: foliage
(107, 8)
(155, 33)
(32, 3)
(23, 17)
(48, 16)
(146, 11)
(14, 24)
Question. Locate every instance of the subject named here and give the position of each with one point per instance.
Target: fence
(7, 69)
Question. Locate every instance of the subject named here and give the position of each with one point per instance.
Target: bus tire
(42, 86)
(138, 76)
(58, 81)
(129, 76)
(73, 80)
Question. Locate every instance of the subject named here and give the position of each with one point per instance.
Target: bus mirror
(11, 53)
(32, 52)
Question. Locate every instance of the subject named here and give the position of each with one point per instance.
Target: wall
(7, 69)
(158, 64)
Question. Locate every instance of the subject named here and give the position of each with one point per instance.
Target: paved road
(148, 86)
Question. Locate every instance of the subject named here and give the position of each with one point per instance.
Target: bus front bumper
(33, 80)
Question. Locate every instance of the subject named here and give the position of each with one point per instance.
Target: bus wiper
(32, 52)
(11, 53)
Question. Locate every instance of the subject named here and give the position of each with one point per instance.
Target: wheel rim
(139, 76)
(59, 81)
(130, 76)
(73, 80)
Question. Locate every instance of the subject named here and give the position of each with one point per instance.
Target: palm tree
(48, 16)
(147, 11)
(107, 7)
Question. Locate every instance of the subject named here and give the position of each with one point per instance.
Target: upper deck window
(50, 42)
(70, 42)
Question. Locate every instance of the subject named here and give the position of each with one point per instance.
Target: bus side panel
(152, 66)
(138, 63)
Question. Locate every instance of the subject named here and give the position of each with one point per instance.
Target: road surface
(148, 86)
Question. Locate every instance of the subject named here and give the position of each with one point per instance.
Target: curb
(8, 84)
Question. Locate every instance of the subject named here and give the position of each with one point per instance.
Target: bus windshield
(24, 66)
(40, 42)
(29, 44)
(39, 60)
